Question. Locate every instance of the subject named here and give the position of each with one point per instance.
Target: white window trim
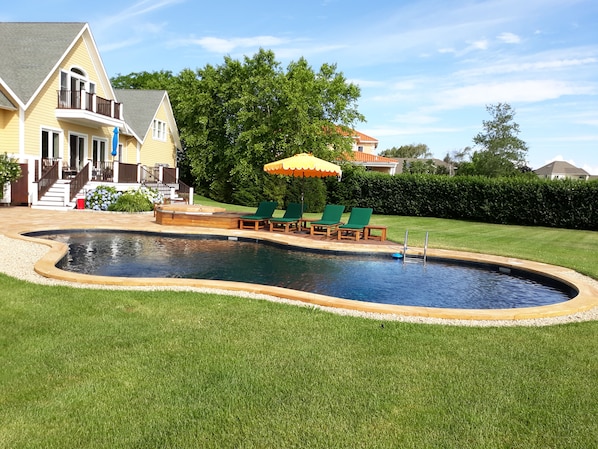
(159, 130)
(60, 139)
(107, 149)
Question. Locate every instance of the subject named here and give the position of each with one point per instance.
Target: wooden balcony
(89, 109)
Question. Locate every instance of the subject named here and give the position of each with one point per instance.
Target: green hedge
(522, 201)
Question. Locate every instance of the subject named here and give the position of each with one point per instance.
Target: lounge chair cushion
(264, 211)
(331, 218)
(359, 218)
(292, 214)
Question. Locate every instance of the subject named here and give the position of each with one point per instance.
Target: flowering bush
(153, 195)
(108, 198)
(9, 171)
(102, 197)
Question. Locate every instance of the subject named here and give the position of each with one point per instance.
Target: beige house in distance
(65, 124)
(364, 153)
(562, 170)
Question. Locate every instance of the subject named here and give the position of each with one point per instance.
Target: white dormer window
(159, 130)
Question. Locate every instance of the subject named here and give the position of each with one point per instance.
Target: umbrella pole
(302, 191)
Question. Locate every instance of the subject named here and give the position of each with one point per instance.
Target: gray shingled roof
(140, 107)
(5, 102)
(560, 167)
(30, 50)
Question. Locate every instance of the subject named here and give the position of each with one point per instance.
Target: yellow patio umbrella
(303, 165)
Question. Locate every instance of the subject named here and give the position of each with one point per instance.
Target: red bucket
(80, 203)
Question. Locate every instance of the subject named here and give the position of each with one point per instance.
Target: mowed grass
(84, 368)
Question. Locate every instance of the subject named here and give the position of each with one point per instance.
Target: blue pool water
(381, 279)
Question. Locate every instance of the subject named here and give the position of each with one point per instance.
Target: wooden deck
(181, 216)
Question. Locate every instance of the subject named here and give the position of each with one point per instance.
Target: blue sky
(426, 68)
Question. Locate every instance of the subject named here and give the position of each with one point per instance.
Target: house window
(98, 152)
(50, 144)
(159, 130)
(360, 149)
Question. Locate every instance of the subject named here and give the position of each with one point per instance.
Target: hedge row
(522, 201)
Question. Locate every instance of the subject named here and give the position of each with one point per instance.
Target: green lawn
(83, 368)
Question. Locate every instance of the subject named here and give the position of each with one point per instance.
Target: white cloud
(417, 131)
(509, 38)
(367, 83)
(514, 67)
(513, 91)
(415, 118)
(559, 157)
(220, 45)
(479, 45)
(120, 44)
(138, 9)
(592, 170)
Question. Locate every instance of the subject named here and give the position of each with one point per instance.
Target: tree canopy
(419, 150)
(501, 152)
(235, 117)
(162, 80)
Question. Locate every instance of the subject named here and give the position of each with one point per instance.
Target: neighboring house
(562, 170)
(364, 148)
(363, 143)
(373, 162)
(62, 120)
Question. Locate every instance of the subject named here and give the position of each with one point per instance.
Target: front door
(76, 152)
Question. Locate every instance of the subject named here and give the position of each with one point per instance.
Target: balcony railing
(79, 99)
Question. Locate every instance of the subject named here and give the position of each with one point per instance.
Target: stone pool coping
(16, 221)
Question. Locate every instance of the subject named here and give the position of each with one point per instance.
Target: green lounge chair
(290, 218)
(331, 219)
(260, 217)
(358, 220)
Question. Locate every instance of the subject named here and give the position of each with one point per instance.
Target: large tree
(240, 115)
(162, 80)
(419, 150)
(501, 152)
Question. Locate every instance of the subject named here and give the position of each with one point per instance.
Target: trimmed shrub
(523, 201)
(141, 200)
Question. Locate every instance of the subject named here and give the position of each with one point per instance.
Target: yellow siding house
(66, 125)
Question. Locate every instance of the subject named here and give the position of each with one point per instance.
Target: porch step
(54, 199)
(164, 189)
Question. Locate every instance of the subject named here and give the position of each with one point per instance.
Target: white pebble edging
(19, 257)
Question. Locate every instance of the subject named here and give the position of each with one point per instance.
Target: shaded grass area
(114, 369)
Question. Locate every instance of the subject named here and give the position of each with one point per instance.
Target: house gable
(143, 107)
(364, 143)
(30, 52)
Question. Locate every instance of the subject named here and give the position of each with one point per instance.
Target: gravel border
(19, 257)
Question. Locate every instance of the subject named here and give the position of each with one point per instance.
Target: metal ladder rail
(405, 247)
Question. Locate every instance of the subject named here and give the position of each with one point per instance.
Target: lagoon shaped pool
(369, 278)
